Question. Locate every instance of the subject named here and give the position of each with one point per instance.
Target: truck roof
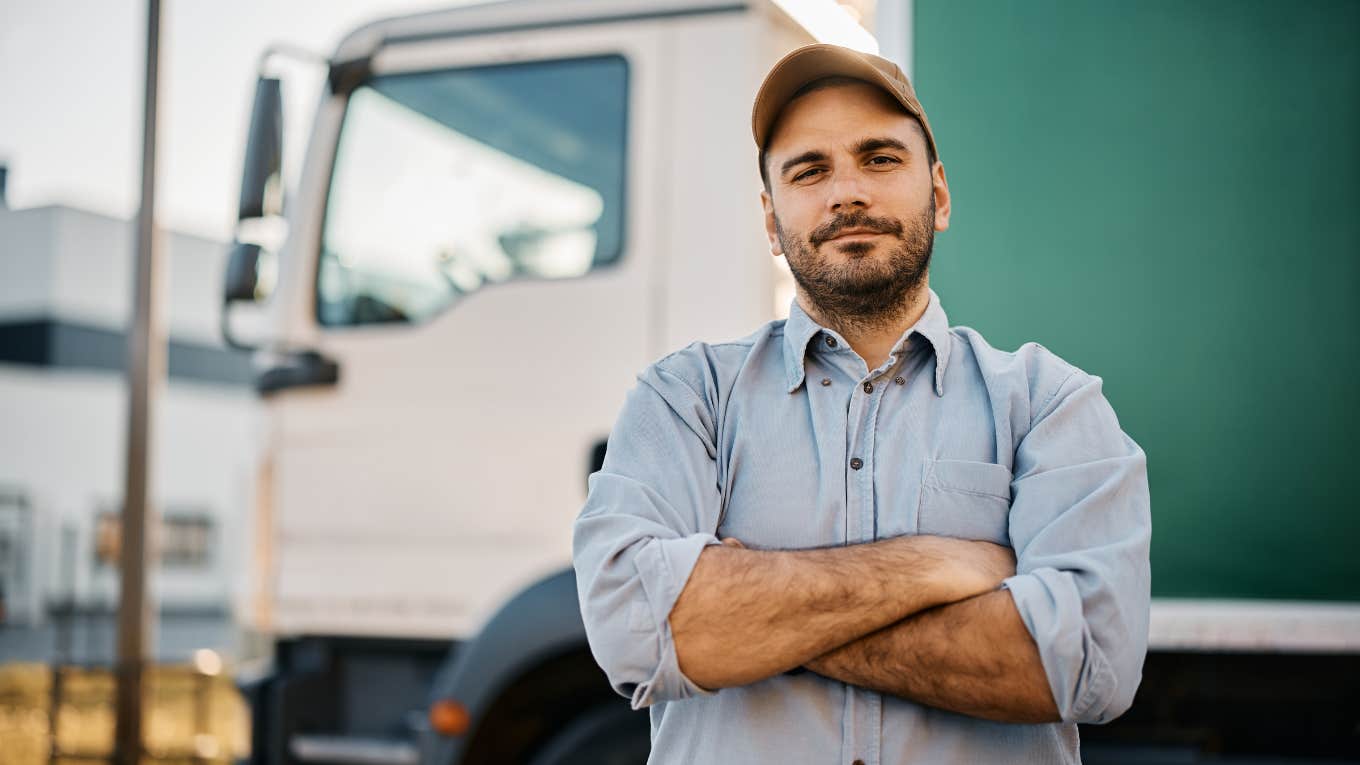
(518, 15)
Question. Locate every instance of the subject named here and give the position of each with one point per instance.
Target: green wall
(1167, 194)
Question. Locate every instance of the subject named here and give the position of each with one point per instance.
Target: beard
(868, 290)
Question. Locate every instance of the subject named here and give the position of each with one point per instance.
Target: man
(858, 535)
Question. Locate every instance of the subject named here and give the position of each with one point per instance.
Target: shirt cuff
(1079, 676)
(663, 567)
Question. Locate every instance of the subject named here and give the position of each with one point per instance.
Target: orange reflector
(449, 718)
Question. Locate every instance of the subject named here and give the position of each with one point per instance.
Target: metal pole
(145, 373)
(54, 714)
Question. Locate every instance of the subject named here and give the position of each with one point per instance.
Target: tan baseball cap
(813, 62)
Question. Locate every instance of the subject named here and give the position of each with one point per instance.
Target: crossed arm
(915, 617)
(974, 657)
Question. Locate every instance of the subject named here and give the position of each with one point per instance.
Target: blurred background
(414, 257)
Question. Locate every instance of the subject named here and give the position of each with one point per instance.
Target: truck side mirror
(261, 181)
(242, 273)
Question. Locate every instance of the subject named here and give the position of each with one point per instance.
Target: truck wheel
(611, 734)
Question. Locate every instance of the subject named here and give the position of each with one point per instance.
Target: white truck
(504, 213)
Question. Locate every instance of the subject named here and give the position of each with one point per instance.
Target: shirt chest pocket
(967, 500)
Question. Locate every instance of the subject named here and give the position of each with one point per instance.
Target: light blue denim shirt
(785, 439)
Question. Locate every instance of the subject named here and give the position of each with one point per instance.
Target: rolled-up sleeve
(1080, 524)
(650, 511)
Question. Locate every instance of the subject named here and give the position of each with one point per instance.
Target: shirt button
(898, 379)
(826, 381)
(856, 463)
(868, 387)
(831, 341)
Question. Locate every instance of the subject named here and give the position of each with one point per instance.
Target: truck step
(351, 750)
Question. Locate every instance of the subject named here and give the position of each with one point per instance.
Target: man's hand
(975, 565)
(745, 615)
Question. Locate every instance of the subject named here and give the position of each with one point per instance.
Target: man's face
(853, 204)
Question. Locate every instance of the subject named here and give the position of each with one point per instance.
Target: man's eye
(808, 173)
(883, 160)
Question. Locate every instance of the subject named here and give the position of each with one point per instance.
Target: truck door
(481, 282)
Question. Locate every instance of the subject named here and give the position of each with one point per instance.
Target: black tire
(611, 734)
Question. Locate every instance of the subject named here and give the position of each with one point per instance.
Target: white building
(65, 302)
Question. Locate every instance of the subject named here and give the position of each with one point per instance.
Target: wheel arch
(527, 671)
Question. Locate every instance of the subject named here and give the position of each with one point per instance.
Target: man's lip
(855, 232)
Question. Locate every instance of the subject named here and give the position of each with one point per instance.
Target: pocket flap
(986, 478)
(967, 500)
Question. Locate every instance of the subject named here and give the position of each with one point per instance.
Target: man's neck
(873, 337)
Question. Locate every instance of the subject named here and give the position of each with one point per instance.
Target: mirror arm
(289, 51)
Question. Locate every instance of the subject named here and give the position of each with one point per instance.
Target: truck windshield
(445, 182)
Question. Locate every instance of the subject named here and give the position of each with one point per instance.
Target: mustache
(832, 228)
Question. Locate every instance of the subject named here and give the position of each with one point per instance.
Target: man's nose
(847, 192)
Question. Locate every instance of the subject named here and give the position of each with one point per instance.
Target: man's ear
(940, 187)
(771, 230)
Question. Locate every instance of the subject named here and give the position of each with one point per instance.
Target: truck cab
(505, 211)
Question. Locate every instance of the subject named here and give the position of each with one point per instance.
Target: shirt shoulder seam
(1044, 406)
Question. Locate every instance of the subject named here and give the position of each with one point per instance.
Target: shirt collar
(800, 329)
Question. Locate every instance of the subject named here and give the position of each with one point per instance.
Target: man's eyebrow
(875, 144)
(863, 147)
(807, 156)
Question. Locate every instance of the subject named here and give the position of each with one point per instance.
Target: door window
(450, 181)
